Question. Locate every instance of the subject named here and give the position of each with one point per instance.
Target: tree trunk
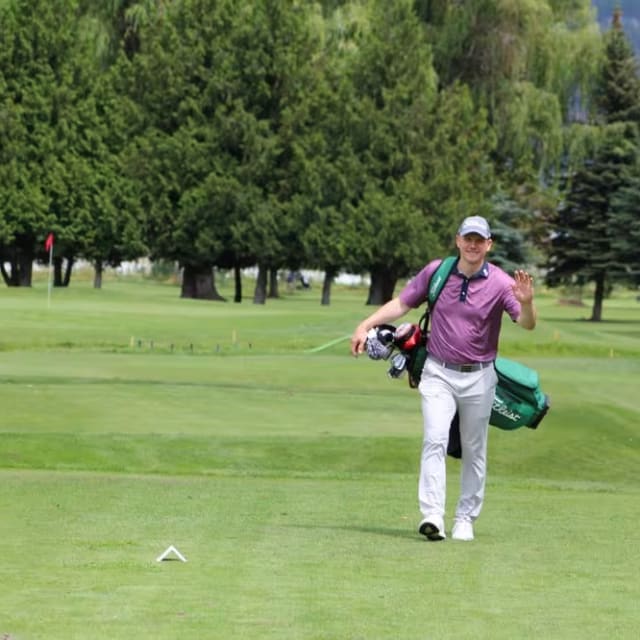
(237, 276)
(273, 284)
(97, 274)
(598, 296)
(25, 270)
(62, 277)
(383, 282)
(68, 269)
(21, 265)
(260, 293)
(329, 276)
(6, 276)
(198, 282)
(57, 271)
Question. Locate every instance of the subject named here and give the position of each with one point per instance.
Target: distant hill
(630, 18)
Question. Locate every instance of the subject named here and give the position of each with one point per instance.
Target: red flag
(48, 243)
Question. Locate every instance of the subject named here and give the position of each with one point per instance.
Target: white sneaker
(432, 528)
(462, 530)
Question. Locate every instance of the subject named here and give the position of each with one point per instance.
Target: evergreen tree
(509, 249)
(64, 129)
(625, 229)
(618, 93)
(278, 52)
(225, 89)
(395, 96)
(585, 244)
(43, 68)
(327, 165)
(195, 135)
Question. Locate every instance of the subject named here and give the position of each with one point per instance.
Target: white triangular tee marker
(170, 550)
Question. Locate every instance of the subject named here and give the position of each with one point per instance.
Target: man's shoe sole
(431, 532)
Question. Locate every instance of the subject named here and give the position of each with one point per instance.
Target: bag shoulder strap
(436, 284)
(439, 278)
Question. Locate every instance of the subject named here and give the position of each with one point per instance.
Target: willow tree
(530, 64)
(115, 26)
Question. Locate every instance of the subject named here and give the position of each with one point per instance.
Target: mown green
(132, 420)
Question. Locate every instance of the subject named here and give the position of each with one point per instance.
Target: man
(458, 374)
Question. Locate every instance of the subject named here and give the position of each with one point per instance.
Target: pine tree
(584, 246)
(618, 95)
(625, 229)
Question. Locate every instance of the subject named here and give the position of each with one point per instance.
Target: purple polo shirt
(466, 319)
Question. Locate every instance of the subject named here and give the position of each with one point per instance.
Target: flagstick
(50, 276)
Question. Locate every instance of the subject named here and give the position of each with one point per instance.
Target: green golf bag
(519, 400)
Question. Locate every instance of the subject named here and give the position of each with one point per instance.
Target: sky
(630, 18)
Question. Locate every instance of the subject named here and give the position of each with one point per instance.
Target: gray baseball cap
(475, 224)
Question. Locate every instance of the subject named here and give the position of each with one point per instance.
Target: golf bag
(519, 400)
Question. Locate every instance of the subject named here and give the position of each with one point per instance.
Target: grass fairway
(286, 474)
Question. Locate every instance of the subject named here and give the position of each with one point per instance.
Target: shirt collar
(483, 272)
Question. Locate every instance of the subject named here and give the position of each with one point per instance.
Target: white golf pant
(445, 391)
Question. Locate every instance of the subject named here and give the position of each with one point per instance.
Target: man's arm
(528, 316)
(387, 313)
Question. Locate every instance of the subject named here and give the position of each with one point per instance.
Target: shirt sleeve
(416, 290)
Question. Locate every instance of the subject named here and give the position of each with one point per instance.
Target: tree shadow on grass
(604, 321)
(406, 534)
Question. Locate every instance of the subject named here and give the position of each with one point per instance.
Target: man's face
(473, 247)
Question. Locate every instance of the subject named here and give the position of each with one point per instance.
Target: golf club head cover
(379, 343)
(407, 336)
